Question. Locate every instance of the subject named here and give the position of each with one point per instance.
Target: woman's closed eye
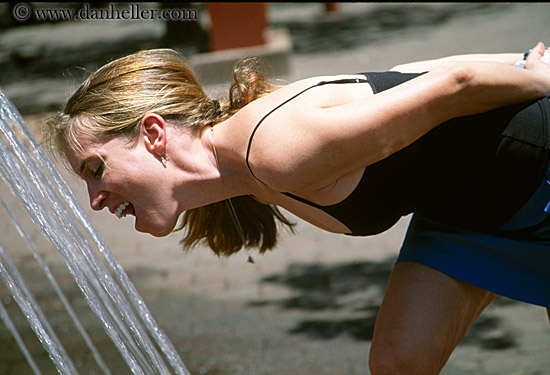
(99, 171)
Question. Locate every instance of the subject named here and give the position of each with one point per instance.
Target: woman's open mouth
(124, 209)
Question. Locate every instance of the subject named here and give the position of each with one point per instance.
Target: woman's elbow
(458, 74)
(455, 81)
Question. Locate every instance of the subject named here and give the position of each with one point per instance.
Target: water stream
(35, 182)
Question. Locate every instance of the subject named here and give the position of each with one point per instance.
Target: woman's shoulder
(287, 134)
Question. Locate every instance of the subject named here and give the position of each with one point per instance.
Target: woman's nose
(97, 197)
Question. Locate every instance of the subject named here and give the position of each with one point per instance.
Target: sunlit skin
(117, 172)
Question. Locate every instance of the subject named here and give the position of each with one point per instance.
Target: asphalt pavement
(309, 306)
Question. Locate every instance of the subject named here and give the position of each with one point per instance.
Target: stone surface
(308, 306)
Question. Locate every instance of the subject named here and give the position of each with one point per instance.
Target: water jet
(53, 251)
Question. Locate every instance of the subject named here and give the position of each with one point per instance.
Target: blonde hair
(112, 102)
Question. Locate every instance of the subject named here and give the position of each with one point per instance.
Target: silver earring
(163, 161)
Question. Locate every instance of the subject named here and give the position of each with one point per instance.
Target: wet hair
(113, 101)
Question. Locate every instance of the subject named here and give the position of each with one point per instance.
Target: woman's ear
(153, 131)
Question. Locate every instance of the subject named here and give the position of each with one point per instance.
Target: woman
(349, 154)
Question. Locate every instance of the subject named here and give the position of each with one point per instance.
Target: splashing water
(35, 182)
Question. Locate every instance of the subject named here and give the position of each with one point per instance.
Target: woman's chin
(160, 231)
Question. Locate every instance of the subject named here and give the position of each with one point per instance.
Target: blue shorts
(513, 261)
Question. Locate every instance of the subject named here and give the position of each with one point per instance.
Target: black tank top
(473, 171)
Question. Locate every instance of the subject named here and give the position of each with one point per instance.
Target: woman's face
(128, 180)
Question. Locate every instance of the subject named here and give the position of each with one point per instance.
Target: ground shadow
(344, 299)
(332, 301)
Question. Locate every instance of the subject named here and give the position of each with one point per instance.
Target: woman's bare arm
(504, 58)
(427, 65)
(308, 147)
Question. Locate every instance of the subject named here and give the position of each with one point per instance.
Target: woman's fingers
(537, 52)
(537, 59)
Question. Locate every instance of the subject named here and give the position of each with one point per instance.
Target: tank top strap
(336, 81)
(300, 199)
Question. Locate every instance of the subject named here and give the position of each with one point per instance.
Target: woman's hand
(534, 60)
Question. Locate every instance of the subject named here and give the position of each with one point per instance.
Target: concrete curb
(217, 67)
